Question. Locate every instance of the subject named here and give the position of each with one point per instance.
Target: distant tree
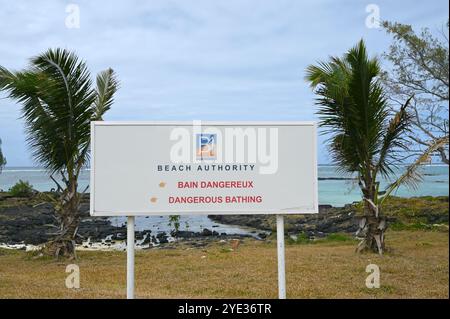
(2, 158)
(420, 68)
(58, 104)
(367, 137)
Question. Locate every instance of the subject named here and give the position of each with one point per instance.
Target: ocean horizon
(335, 188)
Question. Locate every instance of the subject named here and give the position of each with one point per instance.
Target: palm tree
(58, 103)
(367, 138)
(2, 158)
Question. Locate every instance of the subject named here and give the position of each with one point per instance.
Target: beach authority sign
(162, 168)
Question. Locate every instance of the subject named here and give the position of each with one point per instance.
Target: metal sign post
(130, 257)
(280, 249)
(281, 263)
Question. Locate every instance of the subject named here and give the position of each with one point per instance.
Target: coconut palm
(58, 103)
(367, 138)
(2, 158)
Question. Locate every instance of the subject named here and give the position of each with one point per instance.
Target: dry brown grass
(417, 267)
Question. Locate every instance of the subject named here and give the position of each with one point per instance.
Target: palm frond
(58, 103)
(369, 104)
(107, 85)
(352, 106)
(58, 121)
(393, 140)
(411, 177)
(342, 153)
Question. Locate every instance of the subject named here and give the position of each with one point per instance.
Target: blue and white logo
(206, 146)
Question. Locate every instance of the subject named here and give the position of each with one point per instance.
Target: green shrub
(338, 237)
(303, 238)
(21, 189)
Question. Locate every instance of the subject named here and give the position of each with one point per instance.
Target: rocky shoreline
(329, 220)
(427, 212)
(30, 221)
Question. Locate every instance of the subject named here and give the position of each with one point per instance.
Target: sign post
(281, 263)
(188, 168)
(130, 257)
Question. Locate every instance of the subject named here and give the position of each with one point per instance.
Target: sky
(199, 60)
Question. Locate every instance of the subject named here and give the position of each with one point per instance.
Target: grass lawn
(416, 267)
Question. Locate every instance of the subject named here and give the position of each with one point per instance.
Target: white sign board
(160, 168)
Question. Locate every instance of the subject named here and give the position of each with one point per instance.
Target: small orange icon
(162, 184)
(153, 199)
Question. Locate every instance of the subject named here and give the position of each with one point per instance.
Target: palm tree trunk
(63, 245)
(372, 226)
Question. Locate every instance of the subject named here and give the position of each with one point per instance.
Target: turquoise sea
(334, 189)
(341, 192)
